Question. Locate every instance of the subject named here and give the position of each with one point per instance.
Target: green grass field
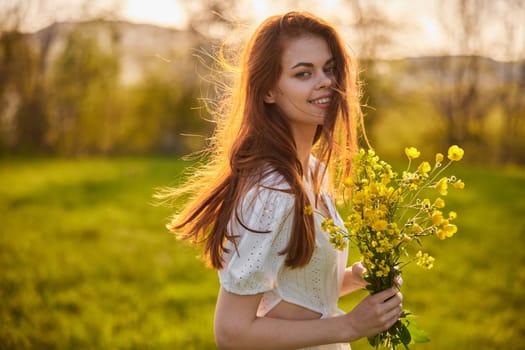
(86, 263)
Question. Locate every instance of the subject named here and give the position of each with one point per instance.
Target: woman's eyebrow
(308, 64)
(330, 60)
(304, 64)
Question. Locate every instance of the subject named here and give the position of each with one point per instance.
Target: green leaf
(418, 335)
(404, 335)
(375, 340)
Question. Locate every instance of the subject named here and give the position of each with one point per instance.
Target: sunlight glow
(431, 32)
(161, 12)
(261, 10)
(418, 26)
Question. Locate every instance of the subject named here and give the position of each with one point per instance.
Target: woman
(266, 196)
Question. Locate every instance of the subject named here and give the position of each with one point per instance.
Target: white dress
(257, 267)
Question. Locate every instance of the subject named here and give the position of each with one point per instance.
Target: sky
(167, 13)
(170, 13)
(421, 18)
(420, 22)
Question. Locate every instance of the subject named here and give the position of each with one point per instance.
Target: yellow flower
(425, 204)
(359, 197)
(379, 225)
(385, 179)
(450, 229)
(442, 186)
(384, 246)
(339, 241)
(437, 217)
(412, 152)
(416, 229)
(455, 153)
(459, 185)
(439, 203)
(424, 260)
(308, 210)
(387, 211)
(368, 213)
(424, 167)
(327, 224)
(446, 231)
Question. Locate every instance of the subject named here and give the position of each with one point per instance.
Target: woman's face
(304, 89)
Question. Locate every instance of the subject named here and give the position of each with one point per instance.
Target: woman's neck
(303, 137)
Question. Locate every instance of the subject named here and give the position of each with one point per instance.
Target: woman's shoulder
(269, 186)
(273, 180)
(265, 205)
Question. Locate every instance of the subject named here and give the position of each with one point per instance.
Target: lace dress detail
(263, 226)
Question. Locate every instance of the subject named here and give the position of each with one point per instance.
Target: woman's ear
(269, 97)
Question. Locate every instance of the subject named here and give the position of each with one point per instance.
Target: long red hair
(252, 135)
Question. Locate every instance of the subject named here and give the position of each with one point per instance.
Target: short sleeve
(263, 225)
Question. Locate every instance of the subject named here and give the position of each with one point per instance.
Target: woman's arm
(237, 327)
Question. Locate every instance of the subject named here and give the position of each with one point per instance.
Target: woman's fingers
(377, 312)
(387, 294)
(398, 281)
(391, 307)
(358, 268)
(390, 303)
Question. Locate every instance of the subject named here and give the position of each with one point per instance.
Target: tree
(159, 112)
(373, 30)
(511, 96)
(22, 92)
(85, 113)
(461, 88)
(25, 123)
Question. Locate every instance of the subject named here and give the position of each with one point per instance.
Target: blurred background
(101, 100)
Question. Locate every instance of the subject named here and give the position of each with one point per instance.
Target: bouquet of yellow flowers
(387, 214)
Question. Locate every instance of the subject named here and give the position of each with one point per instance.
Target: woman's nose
(324, 82)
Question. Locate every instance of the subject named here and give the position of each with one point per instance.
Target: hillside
(142, 46)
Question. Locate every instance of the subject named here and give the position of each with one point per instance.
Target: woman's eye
(329, 70)
(303, 75)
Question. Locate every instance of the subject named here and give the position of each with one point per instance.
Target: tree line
(73, 102)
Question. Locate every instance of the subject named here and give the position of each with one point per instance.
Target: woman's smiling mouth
(321, 102)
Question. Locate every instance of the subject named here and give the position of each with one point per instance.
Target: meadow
(86, 262)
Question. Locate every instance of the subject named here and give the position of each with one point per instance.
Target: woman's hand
(398, 281)
(353, 279)
(376, 313)
(358, 270)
